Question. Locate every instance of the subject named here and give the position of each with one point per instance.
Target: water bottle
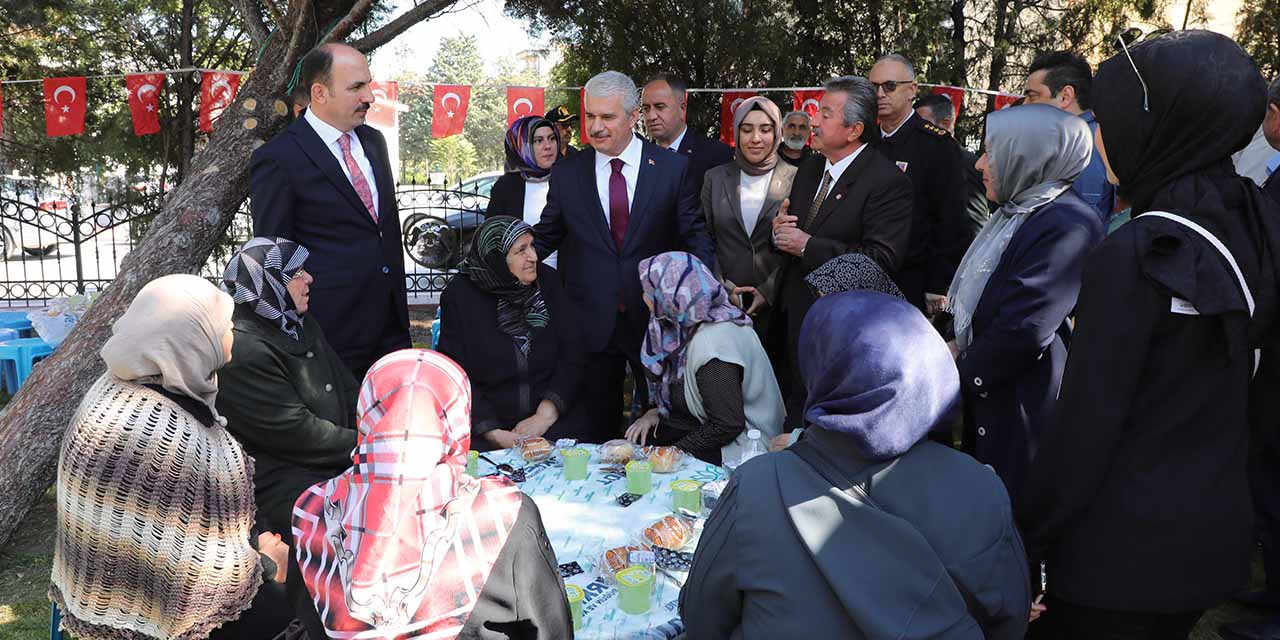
(755, 446)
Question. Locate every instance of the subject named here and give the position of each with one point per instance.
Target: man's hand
(272, 546)
(955, 349)
(790, 239)
(934, 304)
(758, 301)
(784, 218)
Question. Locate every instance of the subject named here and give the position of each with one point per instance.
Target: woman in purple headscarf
(708, 375)
(532, 147)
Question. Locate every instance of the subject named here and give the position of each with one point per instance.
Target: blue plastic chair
(55, 620)
(17, 357)
(435, 333)
(16, 320)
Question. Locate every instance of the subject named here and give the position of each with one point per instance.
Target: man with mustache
(664, 103)
(326, 183)
(795, 138)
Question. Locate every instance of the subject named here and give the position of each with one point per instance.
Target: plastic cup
(473, 463)
(575, 594)
(686, 495)
(639, 477)
(635, 589)
(575, 463)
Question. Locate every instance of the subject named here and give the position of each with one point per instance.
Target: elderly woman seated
(707, 371)
(412, 546)
(864, 525)
(507, 321)
(286, 394)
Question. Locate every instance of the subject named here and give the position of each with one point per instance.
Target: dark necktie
(619, 210)
(817, 202)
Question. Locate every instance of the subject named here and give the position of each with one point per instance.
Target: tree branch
(258, 31)
(354, 18)
(295, 39)
(389, 31)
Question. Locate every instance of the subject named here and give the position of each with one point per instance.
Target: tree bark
(186, 92)
(192, 221)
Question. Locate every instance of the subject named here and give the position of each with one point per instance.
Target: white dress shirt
(535, 200)
(330, 135)
(752, 191)
(630, 170)
(889, 134)
(836, 170)
(675, 144)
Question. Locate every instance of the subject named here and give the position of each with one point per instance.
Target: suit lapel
(587, 177)
(733, 191)
(646, 173)
(840, 188)
(315, 149)
(779, 189)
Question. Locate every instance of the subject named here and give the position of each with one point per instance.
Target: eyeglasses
(889, 86)
(1124, 46)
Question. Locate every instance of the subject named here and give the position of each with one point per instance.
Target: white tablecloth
(583, 520)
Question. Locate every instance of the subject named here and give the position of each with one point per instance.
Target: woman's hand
(538, 423)
(779, 442)
(639, 430)
(758, 300)
(501, 438)
(1038, 608)
(272, 546)
(955, 350)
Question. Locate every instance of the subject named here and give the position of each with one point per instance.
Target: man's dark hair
(1063, 68)
(1273, 92)
(939, 106)
(677, 84)
(860, 106)
(317, 67)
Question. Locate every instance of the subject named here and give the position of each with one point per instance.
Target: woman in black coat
(1138, 498)
(532, 147)
(1018, 283)
(506, 320)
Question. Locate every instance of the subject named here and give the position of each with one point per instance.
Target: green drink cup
(686, 495)
(639, 477)
(575, 594)
(575, 463)
(635, 589)
(473, 463)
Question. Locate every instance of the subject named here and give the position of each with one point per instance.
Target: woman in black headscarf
(1138, 497)
(505, 319)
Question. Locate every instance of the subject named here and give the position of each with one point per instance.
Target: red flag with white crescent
(524, 101)
(1003, 101)
(217, 91)
(386, 97)
(144, 101)
(729, 102)
(449, 109)
(64, 106)
(956, 94)
(807, 101)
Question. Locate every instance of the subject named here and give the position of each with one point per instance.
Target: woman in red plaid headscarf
(404, 544)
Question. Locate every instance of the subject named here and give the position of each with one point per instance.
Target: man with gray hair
(795, 138)
(848, 199)
(941, 227)
(611, 205)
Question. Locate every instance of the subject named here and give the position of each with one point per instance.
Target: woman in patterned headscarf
(532, 147)
(405, 545)
(708, 373)
(505, 319)
(286, 395)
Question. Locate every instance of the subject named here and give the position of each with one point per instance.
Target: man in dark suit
(938, 110)
(610, 206)
(665, 102)
(326, 183)
(849, 199)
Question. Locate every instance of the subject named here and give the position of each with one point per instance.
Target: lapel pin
(839, 195)
(652, 162)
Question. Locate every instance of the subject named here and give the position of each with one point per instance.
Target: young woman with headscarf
(1019, 281)
(404, 544)
(532, 147)
(155, 536)
(506, 320)
(863, 529)
(708, 374)
(287, 396)
(1138, 498)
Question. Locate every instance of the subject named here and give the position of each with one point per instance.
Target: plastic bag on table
(55, 322)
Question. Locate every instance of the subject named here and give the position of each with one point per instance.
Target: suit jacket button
(328, 387)
(977, 382)
(982, 395)
(982, 431)
(311, 354)
(386, 269)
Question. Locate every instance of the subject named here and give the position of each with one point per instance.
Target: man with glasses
(941, 227)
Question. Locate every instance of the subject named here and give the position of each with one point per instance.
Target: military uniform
(942, 226)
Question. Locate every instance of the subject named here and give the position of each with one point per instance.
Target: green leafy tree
(1259, 29)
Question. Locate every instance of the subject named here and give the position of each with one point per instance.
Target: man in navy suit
(326, 183)
(665, 102)
(612, 205)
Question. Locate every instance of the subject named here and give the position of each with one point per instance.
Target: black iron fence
(56, 244)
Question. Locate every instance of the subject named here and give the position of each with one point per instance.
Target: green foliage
(1259, 33)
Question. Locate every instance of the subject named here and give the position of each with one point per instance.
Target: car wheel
(409, 223)
(432, 243)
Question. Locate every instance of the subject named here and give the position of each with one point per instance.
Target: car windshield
(480, 186)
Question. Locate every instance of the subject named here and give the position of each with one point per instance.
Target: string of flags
(66, 102)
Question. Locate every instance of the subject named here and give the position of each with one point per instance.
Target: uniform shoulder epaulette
(934, 129)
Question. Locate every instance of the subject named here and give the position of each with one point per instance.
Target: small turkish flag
(524, 101)
(449, 109)
(1003, 100)
(386, 97)
(729, 102)
(217, 90)
(807, 101)
(64, 106)
(957, 100)
(582, 115)
(144, 101)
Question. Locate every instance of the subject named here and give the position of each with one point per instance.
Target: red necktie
(619, 210)
(357, 177)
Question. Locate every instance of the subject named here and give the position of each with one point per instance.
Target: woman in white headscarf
(1018, 282)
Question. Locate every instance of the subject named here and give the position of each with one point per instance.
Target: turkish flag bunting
(807, 101)
(64, 106)
(386, 97)
(217, 90)
(144, 101)
(1003, 101)
(449, 109)
(729, 102)
(582, 115)
(957, 100)
(524, 101)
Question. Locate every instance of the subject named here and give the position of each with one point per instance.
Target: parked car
(23, 203)
(439, 228)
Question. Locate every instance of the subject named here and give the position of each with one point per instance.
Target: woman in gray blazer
(740, 200)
